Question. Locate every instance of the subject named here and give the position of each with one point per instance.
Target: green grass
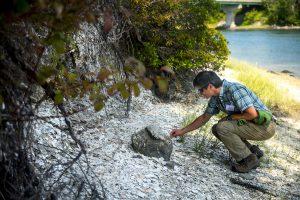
(259, 82)
(204, 139)
(189, 118)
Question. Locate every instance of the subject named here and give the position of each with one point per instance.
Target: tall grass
(259, 82)
(205, 141)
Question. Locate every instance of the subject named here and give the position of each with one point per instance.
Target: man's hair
(207, 77)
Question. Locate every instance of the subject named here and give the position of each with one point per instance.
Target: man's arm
(200, 121)
(248, 114)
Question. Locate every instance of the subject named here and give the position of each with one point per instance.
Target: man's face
(206, 91)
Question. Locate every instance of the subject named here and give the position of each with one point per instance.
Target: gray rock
(151, 142)
(170, 165)
(287, 72)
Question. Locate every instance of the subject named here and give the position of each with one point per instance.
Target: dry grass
(280, 92)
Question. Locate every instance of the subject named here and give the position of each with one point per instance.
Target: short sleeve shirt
(234, 98)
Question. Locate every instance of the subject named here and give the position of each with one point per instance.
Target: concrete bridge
(230, 6)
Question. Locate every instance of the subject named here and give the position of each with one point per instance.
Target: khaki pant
(235, 137)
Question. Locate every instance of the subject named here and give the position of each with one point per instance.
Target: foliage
(175, 33)
(167, 33)
(283, 12)
(216, 18)
(254, 16)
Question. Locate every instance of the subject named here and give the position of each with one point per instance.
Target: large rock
(151, 142)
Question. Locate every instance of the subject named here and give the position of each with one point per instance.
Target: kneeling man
(247, 118)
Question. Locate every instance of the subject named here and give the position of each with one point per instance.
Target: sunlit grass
(262, 83)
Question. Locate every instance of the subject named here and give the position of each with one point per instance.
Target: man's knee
(221, 129)
(214, 131)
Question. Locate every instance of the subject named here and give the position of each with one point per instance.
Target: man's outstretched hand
(176, 132)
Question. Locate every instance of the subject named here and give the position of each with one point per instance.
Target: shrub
(253, 17)
(175, 33)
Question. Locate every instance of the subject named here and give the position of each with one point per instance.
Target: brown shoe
(257, 151)
(251, 162)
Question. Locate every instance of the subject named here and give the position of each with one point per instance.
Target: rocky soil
(190, 174)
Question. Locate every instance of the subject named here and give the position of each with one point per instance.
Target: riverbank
(256, 26)
(264, 27)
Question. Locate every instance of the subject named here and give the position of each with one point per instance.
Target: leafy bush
(283, 12)
(175, 33)
(254, 16)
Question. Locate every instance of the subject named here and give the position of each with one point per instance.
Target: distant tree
(282, 12)
(254, 16)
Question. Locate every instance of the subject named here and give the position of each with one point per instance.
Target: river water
(276, 50)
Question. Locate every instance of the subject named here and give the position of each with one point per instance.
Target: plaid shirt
(233, 98)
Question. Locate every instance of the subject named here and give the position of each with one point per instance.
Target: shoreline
(283, 72)
(259, 27)
(265, 27)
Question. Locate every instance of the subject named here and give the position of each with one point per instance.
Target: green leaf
(136, 89)
(99, 102)
(86, 85)
(72, 76)
(58, 98)
(98, 105)
(127, 68)
(123, 90)
(162, 84)
(1, 100)
(58, 41)
(59, 46)
(71, 92)
(94, 95)
(147, 83)
(103, 74)
(124, 94)
(112, 89)
(44, 73)
(132, 64)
